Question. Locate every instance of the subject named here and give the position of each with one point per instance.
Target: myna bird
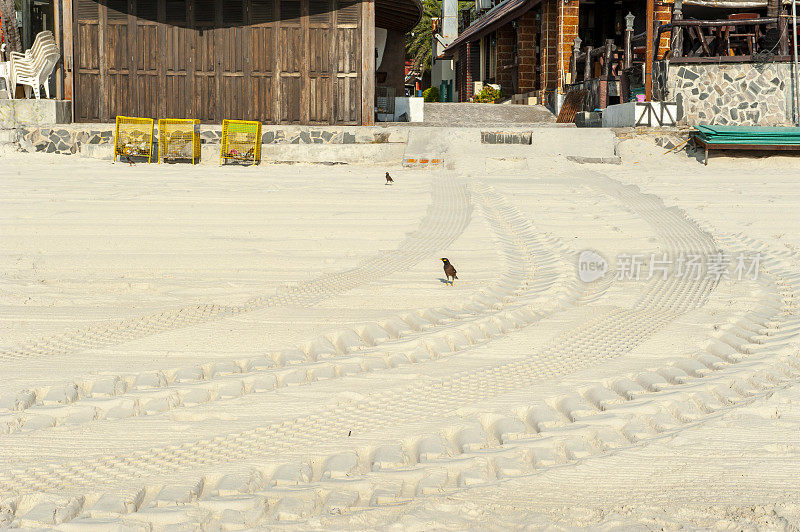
(449, 271)
(389, 179)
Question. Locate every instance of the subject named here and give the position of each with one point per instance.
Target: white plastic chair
(43, 37)
(5, 75)
(35, 72)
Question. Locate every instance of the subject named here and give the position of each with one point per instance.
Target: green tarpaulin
(749, 135)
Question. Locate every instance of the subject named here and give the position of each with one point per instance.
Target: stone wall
(70, 139)
(746, 94)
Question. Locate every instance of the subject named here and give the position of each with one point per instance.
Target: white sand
(233, 348)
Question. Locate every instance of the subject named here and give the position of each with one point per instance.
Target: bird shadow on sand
(442, 279)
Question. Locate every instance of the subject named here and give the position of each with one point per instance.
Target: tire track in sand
(537, 270)
(599, 340)
(447, 217)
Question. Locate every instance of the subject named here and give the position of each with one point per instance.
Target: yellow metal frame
(130, 144)
(174, 135)
(238, 136)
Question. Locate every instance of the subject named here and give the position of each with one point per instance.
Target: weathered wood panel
(289, 61)
(86, 60)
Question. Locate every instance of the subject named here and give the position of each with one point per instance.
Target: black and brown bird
(389, 179)
(449, 271)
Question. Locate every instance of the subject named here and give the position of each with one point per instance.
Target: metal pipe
(648, 61)
(796, 75)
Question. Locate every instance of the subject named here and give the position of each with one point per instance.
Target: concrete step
(8, 136)
(484, 114)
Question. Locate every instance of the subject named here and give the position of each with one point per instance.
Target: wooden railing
(690, 40)
(588, 58)
(710, 38)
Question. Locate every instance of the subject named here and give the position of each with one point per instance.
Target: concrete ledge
(584, 142)
(16, 113)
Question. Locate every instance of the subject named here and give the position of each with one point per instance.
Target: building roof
(498, 16)
(397, 15)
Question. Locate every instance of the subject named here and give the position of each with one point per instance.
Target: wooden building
(277, 61)
(547, 48)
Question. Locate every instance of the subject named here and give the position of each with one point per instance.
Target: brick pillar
(469, 64)
(549, 46)
(464, 74)
(568, 25)
(526, 52)
(663, 15)
(505, 59)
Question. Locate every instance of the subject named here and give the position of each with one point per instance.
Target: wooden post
(102, 59)
(27, 26)
(59, 73)
(305, 65)
(783, 28)
(628, 61)
(587, 68)
(648, 61)
(677, 32)
(573, 62)
(68, 53)
(607, 57)
(368, 62)
(277, 110)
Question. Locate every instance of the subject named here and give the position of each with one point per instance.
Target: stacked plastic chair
(34, 67)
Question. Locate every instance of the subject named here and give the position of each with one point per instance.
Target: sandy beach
(232, 348)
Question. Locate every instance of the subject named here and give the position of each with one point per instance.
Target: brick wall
(569, 30)
(469, 69)
(549, 45)
(464, 75)
(505, 59)
(526, 41)
(663, 15)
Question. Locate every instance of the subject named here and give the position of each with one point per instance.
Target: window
(490, 58)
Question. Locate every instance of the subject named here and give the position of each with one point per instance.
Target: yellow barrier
(179, 139)
(133, 137)
(241, 141)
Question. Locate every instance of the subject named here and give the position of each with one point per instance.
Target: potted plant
(488, 94)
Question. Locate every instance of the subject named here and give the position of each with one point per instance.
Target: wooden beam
(276, 69)
(305, 64)
(219, 46)
(67, 31)
(334, 69)
(59, 74)
(27, 23)
(247, 66)
(133, 75)
(368, 62)
(587, 66)
(726, 59)
(102, 61)
(677, 34)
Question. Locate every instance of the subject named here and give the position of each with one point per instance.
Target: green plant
(418, 42)
(431, 94)
(488, 94)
